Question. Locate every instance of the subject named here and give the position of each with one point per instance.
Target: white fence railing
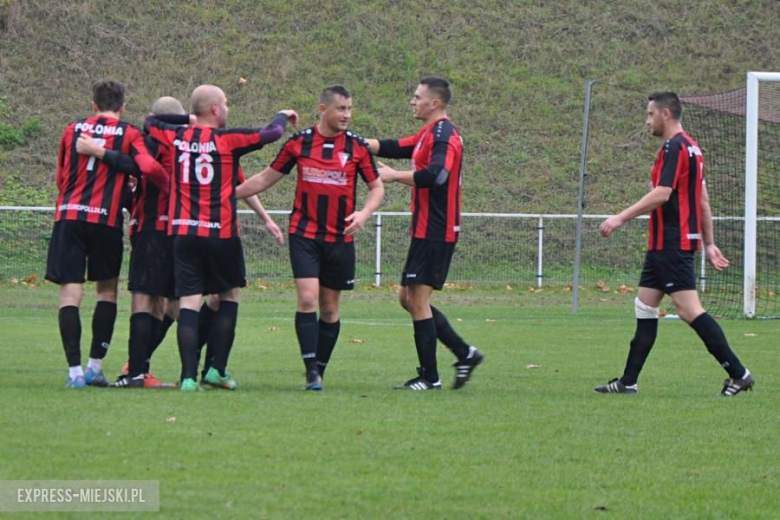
(536, 250)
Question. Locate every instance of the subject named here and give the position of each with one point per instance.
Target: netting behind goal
(717, 122)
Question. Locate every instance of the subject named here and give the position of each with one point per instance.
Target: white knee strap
(645, 312)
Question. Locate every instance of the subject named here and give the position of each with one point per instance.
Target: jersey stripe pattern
(676, 224)
(150, 204)
(204, 174)
(326, 191)
(89, 190)
(436, 152)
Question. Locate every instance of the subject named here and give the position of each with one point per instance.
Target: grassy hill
(518, 70)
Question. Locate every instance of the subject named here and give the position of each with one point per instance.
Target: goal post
(751, 186)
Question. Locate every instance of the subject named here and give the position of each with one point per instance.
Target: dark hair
(438, 87)
(668, 100)
(108, 95)
(327, 95)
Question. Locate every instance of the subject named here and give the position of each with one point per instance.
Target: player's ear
(122, 109)
(94, 107)
(322, 107)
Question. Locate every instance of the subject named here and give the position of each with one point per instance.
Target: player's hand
(716, 258)
(87, 146)
(292, 117)
(386, 173)
(272, 228)
(356, 222)
(611, 224)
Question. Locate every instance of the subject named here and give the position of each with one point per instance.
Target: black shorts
(151, 264)
(669, 271)
(427, 263)
(204, 265)
(77, 247)
(332, 263)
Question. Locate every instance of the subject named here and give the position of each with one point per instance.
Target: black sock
(712, 335)
(328, 335)
(205, 323)
(425, 341)
(644, 338)
(102, 329)
(187, 336)
(142, 329)
(223, 334)
(161, 330)
(307, 330)
(448, 336)
(70, 332)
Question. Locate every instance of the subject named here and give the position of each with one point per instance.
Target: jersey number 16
(204, 171)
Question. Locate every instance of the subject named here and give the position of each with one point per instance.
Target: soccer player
(87, 232)
(324, 221)
(680, 221)
(154, 307)
(208, 257)
(436, 152)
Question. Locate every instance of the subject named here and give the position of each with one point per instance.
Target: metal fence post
(539, 266)
(378, 265)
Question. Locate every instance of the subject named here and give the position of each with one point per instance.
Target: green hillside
(518, 70)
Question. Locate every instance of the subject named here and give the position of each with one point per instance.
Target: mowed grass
(517, 442)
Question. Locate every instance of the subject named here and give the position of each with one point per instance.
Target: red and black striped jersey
(326, 191)
(205, 172)
(89, 189)
(676, 224)
(436, 152)
(150, 203)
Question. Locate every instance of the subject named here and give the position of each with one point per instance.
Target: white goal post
(751, 186)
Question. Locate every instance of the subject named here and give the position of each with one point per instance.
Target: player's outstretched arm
(357, 220)
(388, 174)
(258, 183)
(116, 160)
(645, 205)
(257, 206)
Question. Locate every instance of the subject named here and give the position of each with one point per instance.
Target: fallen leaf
(532, 289)
(490, 321)
(360, 432)
(32, 278)
(601, 508)
(358, 341)
(509, 288)
(661, 314)
(458, 319)
(273, 328)
(14, 281)
(242, 81)
(170, 420)
(529, 367)
(625, 289)
(750, 335)
(568, 288)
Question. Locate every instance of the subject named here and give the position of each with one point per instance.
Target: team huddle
(187, 263)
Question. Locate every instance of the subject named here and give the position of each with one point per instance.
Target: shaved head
(204, 97)
(167, 105)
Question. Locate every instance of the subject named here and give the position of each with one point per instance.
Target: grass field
(517, 442)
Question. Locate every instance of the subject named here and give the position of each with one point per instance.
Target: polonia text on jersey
(186, 146)
(94, 129)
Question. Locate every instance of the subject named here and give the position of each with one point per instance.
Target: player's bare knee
(642, 311)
